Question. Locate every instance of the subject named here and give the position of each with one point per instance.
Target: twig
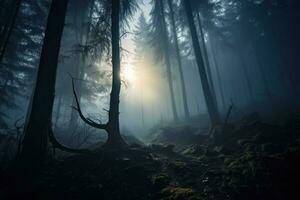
(228, 114)
(125, 33)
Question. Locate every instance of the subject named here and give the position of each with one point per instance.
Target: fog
(149, 99)
(250, 60)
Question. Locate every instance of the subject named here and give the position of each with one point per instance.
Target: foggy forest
(149, 99)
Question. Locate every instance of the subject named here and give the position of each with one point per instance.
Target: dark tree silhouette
(211, 106)
(118, 9)
(206, 59)
(161, 43)
(39, 122)
(179, 61)
(80, 12)
(113, 128)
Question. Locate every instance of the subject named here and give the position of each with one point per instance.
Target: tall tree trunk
(36, 133)
(142, 103)
(182, 81)
(277, 40)
(209, 99)
(197, 105)
(217, 66)
(261, 70)
(113, 126)
(206, 59)
(167, 60)
(7, 30)
(86, 42)
(81, 13)
(247, 78)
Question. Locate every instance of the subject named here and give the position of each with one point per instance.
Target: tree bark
(206, 59)
(36, 133)
(168, 63)
(113, 126)
(211, 106)
(179, 61)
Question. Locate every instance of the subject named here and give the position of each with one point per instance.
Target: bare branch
(127, 51)
(86, 120)
(125, 33)
(105, 110)
(125, 83)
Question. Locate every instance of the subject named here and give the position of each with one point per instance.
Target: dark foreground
(248, 160)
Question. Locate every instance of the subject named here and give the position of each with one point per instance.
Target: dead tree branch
(85, 119)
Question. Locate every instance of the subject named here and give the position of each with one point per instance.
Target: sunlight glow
(128, 75)
(141, 82)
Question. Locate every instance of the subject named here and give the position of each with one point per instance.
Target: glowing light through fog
(128, 75)
(141, 82)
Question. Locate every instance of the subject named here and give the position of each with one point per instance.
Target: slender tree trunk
(113, 126)
(197, 105)
(142, 103)
(262, 71)
(247, 78)
(206, 59)
(217, 66)
(85, 41)
(36, 133)
(211, 106)
(7, 30)
(167, 60)
(182, 81)
(81, 12)
(277, 40)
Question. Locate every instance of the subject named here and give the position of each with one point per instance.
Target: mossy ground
(253, 161)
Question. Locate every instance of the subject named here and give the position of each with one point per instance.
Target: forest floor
(248, 159)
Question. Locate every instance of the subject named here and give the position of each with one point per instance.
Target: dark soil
(246, 160)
